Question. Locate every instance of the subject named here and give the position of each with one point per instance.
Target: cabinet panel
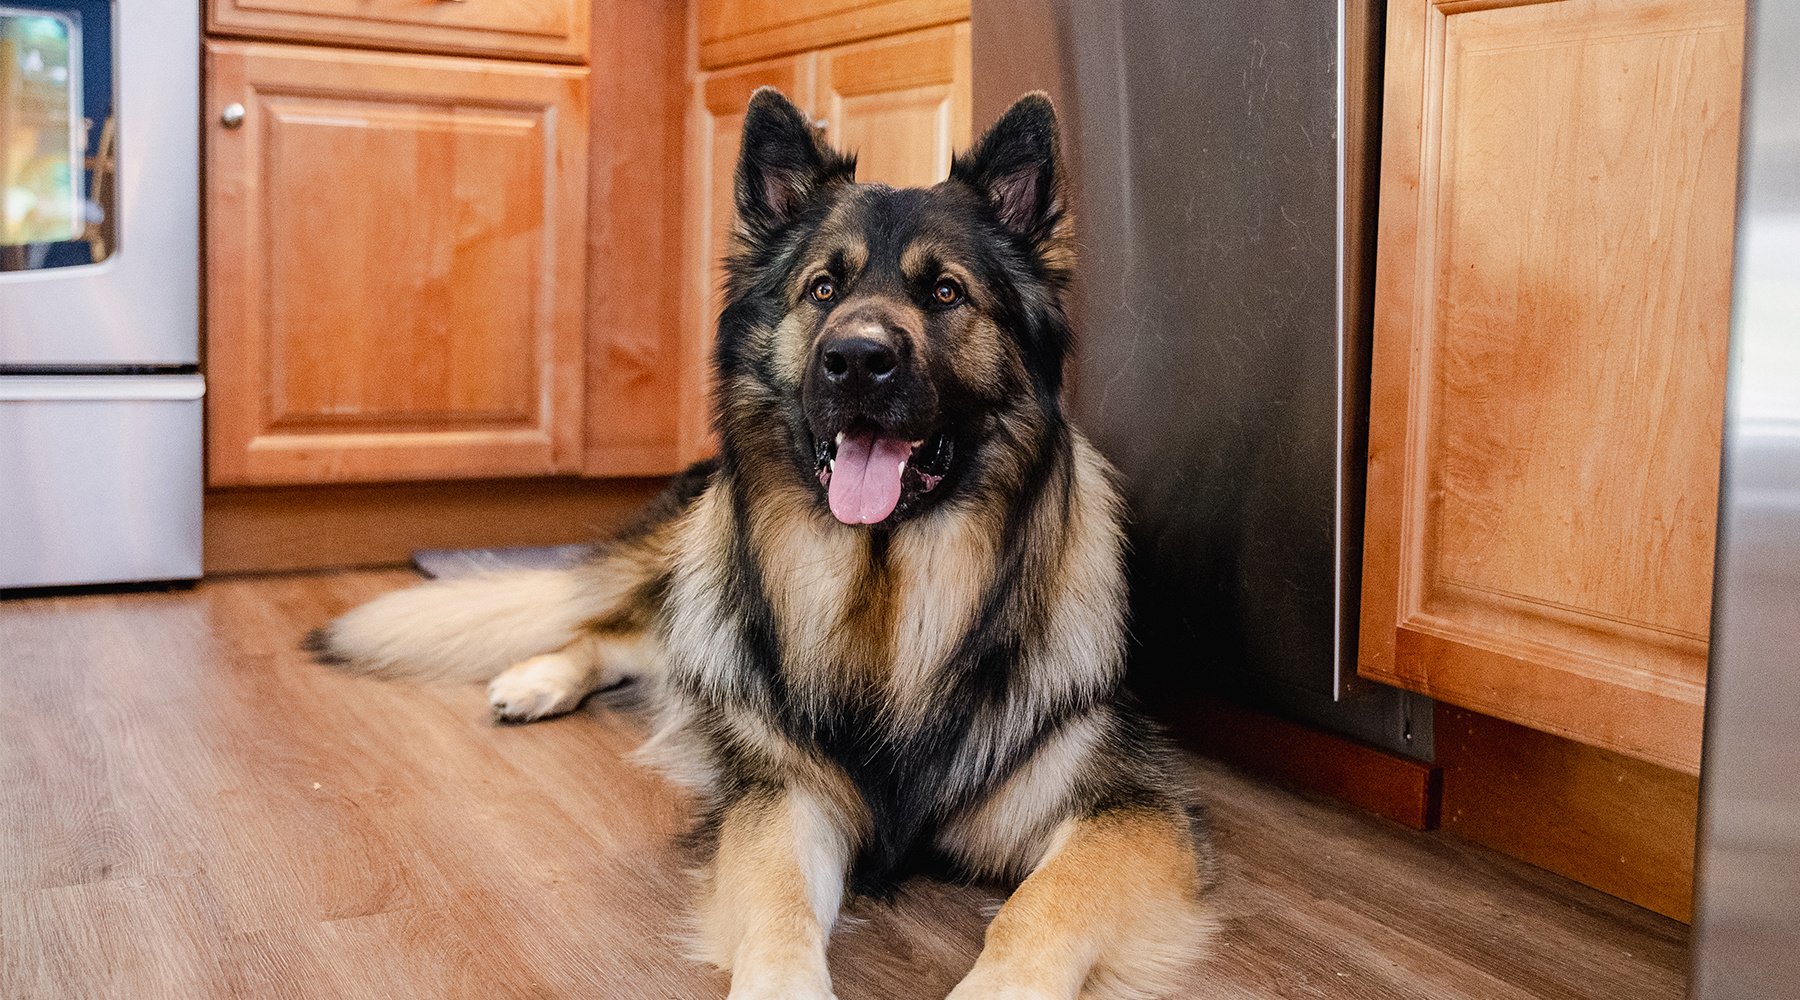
(715, 121)
(1549, 367)
(535, 29)
(395, 266)
(901, 104)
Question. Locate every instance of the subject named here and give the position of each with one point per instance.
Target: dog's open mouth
(869, 476)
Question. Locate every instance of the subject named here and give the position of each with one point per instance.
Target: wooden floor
(189, 809)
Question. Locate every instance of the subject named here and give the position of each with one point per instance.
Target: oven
(100, 390)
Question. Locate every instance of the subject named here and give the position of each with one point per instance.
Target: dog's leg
(554, 683)
(1113, 910)
(773, 896)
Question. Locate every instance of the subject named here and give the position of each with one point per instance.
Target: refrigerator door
(99, 479)
(140, 305)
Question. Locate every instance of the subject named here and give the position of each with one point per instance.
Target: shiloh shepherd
(884, 630)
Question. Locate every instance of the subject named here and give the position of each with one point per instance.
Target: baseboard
(253, 530)
(1613, 822)
(1400, 788)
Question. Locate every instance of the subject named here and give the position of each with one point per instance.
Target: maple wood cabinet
(395, 265)
(1553, 292)
(901, 102)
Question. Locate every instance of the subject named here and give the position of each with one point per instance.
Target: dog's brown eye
(947, 293)
(824, 290)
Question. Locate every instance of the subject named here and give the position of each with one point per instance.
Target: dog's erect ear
(783, 165)
(1016, 166)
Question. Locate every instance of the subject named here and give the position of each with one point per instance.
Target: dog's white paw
(776, 991)
(981, 985)
(541, 686)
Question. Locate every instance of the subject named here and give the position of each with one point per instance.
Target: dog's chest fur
(875, 615)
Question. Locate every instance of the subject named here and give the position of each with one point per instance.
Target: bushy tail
(466, 629)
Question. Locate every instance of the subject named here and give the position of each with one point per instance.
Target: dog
(883, 632)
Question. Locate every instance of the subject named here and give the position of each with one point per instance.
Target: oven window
(58, 161)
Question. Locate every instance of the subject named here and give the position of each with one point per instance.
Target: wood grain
(395, 266)
(525, 29)
(741, 31)
(1616, 823)
(270, 529)
(635, 263)
(193, 811)
(1552, 302)
(901, 104)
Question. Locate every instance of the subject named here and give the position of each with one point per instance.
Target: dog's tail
(465, 629)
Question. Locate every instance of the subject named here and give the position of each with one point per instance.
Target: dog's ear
(1016, 165)
(783, 165)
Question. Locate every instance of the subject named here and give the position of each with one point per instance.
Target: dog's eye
(947, 293)
(823, 289)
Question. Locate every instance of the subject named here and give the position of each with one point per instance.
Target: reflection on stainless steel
(141, 305)
(99, 479)
(1221, 211)
(1747, 928)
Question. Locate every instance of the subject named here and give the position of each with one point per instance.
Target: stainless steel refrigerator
(1223, 164)
(1747, 900)
(100, 391)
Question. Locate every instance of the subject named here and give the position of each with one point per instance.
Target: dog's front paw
(741, 990)
(541, 686)
(983, 984)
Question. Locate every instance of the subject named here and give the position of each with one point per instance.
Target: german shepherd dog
(884, 630)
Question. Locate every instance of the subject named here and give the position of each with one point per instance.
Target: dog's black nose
(853, 360)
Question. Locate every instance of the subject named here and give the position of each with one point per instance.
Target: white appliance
(100, 391)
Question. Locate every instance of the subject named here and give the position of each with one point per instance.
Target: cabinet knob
(232, 116)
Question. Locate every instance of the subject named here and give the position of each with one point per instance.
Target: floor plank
(189, 809)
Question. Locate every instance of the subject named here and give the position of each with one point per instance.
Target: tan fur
(772, 896)
(468, 629)
(1113, 912)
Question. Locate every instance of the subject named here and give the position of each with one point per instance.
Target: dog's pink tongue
(865, 481)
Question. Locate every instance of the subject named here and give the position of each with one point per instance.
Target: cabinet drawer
(535, 29)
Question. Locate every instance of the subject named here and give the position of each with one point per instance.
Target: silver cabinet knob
(232, 116)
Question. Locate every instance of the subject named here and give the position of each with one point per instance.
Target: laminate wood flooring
(190, 809)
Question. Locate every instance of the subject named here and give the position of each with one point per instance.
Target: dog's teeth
(839, 443)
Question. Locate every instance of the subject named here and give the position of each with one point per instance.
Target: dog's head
(886, 345)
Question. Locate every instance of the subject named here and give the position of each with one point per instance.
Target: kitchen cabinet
(1552, 299)
(900, 102)
(523, 29)
(395, 265)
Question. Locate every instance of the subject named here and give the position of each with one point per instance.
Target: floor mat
(448, 564)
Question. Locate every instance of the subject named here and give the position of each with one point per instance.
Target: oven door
(99, 184)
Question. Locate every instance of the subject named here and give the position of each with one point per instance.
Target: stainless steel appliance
(1747, 904)
(100, 395)
(1223, 164)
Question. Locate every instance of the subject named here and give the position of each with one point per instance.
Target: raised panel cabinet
(395, 255)
(525, 29)
(901, 104)
(1553, 293)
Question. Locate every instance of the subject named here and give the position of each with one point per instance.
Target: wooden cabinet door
(715, 121)
(1553, 292)
(395, 266)
(901, 104)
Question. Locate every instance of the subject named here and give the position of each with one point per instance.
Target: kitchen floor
(189, 808)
